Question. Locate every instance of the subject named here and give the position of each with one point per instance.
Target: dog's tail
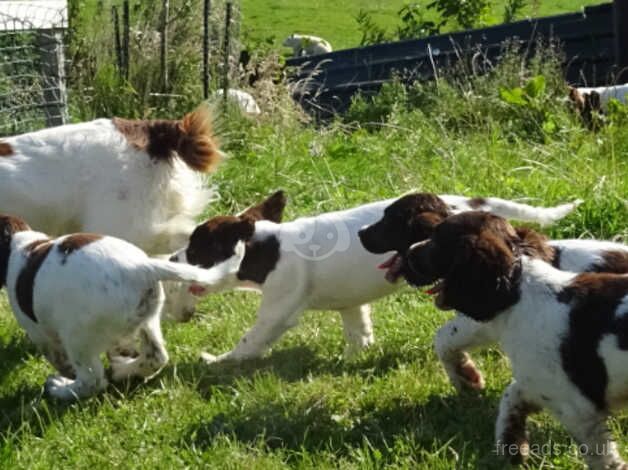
(525, 212)
(197, 145)
(162, 270)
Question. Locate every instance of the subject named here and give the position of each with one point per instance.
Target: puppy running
(566, 334)
(80, 295)
(314, 263)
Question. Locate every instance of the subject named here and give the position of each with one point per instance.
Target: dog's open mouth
(197, 290)
(393, 267)
(438, 290)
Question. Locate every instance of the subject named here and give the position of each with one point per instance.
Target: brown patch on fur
(191, 138)
(586, 104)
(37, 252)
(5, 149)
(515, 432)
(75, 242)
(408, 220)
(260, 259)
(270, 209)
(613, 261)
(476, 202)
(535, 245)
(214, 241)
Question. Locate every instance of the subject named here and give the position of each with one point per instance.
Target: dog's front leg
(358, 329)
(450, 343)
(510, 430)
(274, 317)
(90, 379)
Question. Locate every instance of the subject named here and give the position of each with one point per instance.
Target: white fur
(244, 100)
(323, 266)
(103, 294)
(86, 177)
(305, 45)
(607, 93)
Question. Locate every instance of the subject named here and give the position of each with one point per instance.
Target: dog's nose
(174, 259)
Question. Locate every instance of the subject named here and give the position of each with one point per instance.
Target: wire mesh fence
(32, 78)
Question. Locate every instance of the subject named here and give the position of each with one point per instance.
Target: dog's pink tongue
(197, 290)
(388, 263)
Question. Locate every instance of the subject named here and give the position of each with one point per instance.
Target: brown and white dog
(138, 180)
(566, 334)
(80, 295)
(315, 263)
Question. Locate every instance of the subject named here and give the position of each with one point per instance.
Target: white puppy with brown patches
(317, 263)
(80, 295)
(566, 334)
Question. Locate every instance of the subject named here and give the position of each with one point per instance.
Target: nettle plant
(531, 100)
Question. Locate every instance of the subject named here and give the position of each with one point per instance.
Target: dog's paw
(122, 368)
(469, 376)
(60, 388)
(211, 359)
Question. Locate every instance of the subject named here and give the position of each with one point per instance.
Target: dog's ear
(244, 229)
(271, 209)
(8, 226)
(423, 225)
(534, 244)
(483, 277)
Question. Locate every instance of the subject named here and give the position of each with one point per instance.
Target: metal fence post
(50, 45)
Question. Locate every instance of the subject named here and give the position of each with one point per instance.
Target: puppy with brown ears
(566, 334)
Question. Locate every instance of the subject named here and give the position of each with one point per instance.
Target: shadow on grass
(463, 423)
(289, 364)
(14, 352)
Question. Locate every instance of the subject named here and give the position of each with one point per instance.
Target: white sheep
(304, 45)
(244, 100)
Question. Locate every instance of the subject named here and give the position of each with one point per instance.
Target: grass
(335, 21)
(302, 406)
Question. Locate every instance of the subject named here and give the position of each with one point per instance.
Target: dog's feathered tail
(162, 270)
(526, 212)
(198, 147)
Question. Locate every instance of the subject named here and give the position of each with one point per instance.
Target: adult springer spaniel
(566, 334)
(134, 179)
(314, 263)
(80, 295)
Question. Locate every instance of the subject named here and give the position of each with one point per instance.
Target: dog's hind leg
(358, 329)
(450, 343)
(152, 354)
(90, 377)
(275, 316)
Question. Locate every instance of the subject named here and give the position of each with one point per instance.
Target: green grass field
(335, 21)
(302, 406)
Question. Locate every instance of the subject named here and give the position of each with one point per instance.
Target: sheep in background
(589, 99)
(304, 45)
(244, 100)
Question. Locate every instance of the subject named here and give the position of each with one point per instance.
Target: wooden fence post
(206, 13)
(125, 38)
(620, 20)
(227, 44)
(164, 46)
(50, 44)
